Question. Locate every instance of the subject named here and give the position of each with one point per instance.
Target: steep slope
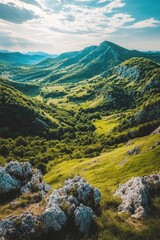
(19, 114)
(77, 66)
(90, 62)
(106, 172)
(22, 115)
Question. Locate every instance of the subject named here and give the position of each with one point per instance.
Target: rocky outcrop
(148, 113)
(128, 72)
(75, 199)
(19, 227)
(133, 151)
(136, 195)
(36, 184)
(21, 178)
(19, 170)
(75, 203)
(7, 183)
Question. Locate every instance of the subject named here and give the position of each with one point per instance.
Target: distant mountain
(42, 54)
(80, 65)
(69, 67)
(18, 58)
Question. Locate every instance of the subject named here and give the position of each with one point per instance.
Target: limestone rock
(83, 191)
(19, 170)
(133, 151)
(54, 219)
(136, 195)
(75, 191)
(73, 201)
(128, 72)
(36, 184)
(20, 227)
(83, 218)
(7, 183)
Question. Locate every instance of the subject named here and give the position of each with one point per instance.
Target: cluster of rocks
(128, 72)
(75, 201)
(133, 151)
(136, 195)
(21, 178)
(23, 226)
(75, 204)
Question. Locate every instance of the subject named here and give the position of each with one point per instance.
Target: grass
(106, 172)
(106, 124)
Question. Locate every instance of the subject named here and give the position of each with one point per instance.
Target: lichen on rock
(136, 195)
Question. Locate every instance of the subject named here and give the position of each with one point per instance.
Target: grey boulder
(19, 170)
(84, 217)
(7, 183)
(54, 219)
(136, 195)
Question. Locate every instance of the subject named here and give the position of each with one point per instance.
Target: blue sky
(66, 25)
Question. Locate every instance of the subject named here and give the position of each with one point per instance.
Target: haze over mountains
(23, 58)
(74, 66)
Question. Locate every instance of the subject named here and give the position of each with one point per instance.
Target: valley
(93, 113)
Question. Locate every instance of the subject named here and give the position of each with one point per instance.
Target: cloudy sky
(57, 26)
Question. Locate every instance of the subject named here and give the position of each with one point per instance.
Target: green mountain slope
(106, 172)
(77, 66)
(20, 114)
(84, 113)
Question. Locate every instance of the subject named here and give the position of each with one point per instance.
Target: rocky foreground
(136, 195)
(75, 204)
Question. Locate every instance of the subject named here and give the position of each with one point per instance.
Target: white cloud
(72, 23)
(146, 23)
(114, 4)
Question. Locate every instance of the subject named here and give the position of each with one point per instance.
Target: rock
(136, 195)
(63, 204)
(156, 131)
(72, 201)
(83, 191)
(133, 151)
(19, 170)
(155, 145)
(7, 183)
(97, 196)
(17, 177)
(20, 227)
(57, 197)
(54, 219)
(149, 113)
(128, 143)
(128, 72)
(36, 184)
(83, 218)
(75, 191)
(153, 181)
(122, 162)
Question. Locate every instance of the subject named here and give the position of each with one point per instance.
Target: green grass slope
(106, 172)
(23, 115)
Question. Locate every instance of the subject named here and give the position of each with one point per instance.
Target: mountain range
(93, 113)
(18, 58)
